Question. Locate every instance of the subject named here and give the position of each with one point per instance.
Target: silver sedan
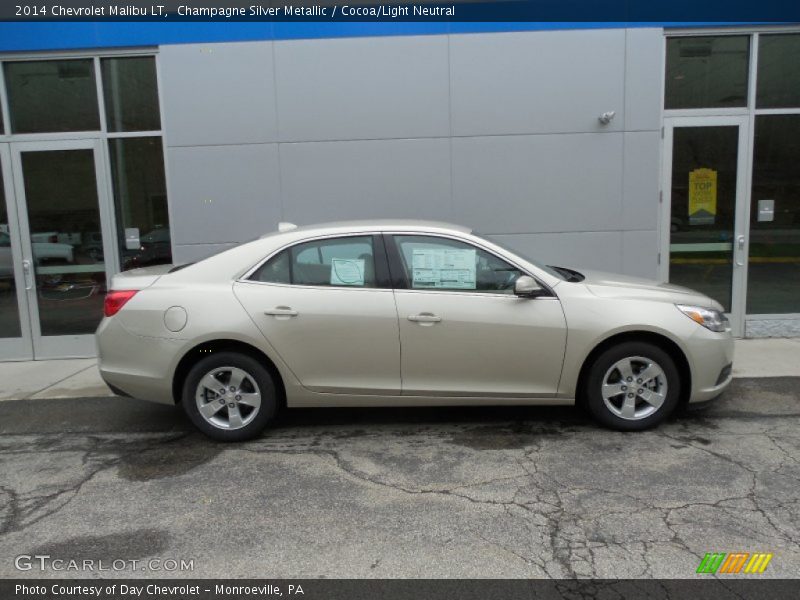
(404, 313)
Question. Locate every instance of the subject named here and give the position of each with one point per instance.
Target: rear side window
(340, 262)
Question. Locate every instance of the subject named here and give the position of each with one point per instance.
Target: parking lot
(456, 492)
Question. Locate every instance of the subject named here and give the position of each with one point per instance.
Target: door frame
(16, 348)
(741, 237)
(62, 346)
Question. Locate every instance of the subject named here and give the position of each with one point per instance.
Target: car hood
(610, 285)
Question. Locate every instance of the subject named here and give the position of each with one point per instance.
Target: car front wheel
(632, 386)
(229, 396)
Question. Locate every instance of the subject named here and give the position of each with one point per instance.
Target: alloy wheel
(634, 388)
(228, 397)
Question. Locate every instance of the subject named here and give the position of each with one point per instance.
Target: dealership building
(666, 153)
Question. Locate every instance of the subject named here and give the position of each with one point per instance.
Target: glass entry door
(15, 333)
(66, 255)
(704, 220)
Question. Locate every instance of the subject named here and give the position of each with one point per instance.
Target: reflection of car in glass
(43, 253)
(47, 248)
(155, 249)
(404, 313)
(93, 245)
(45, 236)
(61, 291)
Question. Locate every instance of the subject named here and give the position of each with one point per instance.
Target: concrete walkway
(79, 378)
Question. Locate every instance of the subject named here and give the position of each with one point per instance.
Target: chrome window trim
(314, 287)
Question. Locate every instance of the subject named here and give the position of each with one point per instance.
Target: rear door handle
(425, 318)
(281, 311)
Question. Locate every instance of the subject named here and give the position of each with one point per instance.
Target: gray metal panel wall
(545, 82)
(223, 194)
(550, 183)
(218, 94)
(328, 181)
(495, 131)
(362, 88)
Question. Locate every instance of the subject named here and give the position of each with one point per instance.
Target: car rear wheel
(229, 396)
(632, 386)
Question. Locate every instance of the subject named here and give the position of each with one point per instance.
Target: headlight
(709, 318)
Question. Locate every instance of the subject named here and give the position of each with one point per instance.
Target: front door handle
(740, 244)
(425, 318)
(281, 311)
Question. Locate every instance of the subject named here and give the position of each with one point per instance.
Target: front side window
(444, 264)
(340, 262)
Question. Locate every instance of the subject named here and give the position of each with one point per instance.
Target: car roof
(374, 225)
(236, 261)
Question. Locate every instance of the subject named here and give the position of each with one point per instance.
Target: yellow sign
(702, 196)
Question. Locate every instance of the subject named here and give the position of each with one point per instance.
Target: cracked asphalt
(431, 492)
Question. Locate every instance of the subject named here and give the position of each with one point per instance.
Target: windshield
(546, 268)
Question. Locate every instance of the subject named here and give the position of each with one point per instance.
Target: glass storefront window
(131, 94)
(707, 71)
(773, 280)
(62, 194)
(9, 314)
(140, 196)
(778, 71)
(701, 242)
(50, 96)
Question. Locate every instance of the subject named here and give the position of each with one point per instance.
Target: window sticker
(347, 271)
(449, 268)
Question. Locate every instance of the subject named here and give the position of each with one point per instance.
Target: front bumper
(711, 359)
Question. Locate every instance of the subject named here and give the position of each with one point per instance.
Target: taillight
(115, 300)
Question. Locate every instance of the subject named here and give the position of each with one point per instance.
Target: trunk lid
(138, 279)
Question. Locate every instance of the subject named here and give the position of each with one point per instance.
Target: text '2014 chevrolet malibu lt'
(404, 313)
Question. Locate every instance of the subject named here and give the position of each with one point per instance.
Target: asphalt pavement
(417, 492)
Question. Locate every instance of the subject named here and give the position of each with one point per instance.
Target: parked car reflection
(45, 250)
(155, 249)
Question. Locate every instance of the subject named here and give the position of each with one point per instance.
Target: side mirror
(527, 287)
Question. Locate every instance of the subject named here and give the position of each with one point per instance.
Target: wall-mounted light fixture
(607, 117)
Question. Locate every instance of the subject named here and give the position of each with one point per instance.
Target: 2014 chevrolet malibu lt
(404, 313)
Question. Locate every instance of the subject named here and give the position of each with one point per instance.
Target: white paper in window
(449, 268)
(347, 271)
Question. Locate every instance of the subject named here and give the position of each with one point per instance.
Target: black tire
(254, 370)
(593, 395)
